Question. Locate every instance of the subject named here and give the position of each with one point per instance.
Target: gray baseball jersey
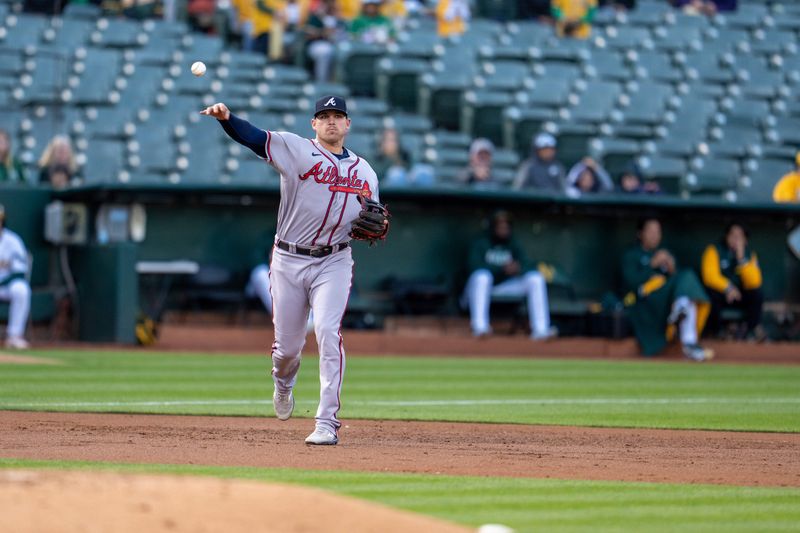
(319, 201)
(318, 191)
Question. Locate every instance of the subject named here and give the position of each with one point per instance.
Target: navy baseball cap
(330, 103)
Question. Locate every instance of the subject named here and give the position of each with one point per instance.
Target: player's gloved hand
(372, 223)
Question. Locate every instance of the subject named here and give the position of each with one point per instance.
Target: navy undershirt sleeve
(245, 134)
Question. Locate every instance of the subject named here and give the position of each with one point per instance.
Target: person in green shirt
(370, 26)
(662, 298)
(10, 167)
(499, 267)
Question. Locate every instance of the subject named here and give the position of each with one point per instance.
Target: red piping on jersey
(341, 357)
(272, 311)
(269, 140)
(330, 203)
(324, 220)
(346, 197)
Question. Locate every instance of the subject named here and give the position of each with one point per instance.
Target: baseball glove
(372, 222)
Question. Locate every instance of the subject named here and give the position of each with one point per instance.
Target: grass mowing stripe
(573, 392)
(527, 504)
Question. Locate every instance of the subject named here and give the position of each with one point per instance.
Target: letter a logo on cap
(332, 101)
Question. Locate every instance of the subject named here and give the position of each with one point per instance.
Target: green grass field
(528, 504)
(591, 393)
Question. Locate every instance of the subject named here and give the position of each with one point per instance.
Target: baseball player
(14, 287)
(499, 267)
(328, 196)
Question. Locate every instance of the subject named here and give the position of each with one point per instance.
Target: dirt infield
(736, 458)
(67, 502)
(425, 343)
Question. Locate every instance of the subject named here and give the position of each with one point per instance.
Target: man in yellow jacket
(732, 278)
(573, 17)
(787, 190)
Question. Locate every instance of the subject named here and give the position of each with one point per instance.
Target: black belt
(315, 251)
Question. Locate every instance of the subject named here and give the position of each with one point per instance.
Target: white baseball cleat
(697, 353)
(283, 404)
(17, 343)
(322, 436)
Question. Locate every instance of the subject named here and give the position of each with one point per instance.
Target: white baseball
(198, 68)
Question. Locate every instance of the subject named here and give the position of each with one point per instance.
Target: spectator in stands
(348, 10)
(371, 26)
(618, 5)
(662, 298)
(241, 23)
(57, 164)
(322, 32)
(500, 267)
(632, 182)
(478, 173)
(268, 17)
(587, 176)
(392, 162)
(200, 16)
(11, 169)
(14, 287)
(705, 7)
(574, 17)
(396, 11)
(787, 190)
(732, 278)
(535, 9)
(452, 17)
(541, 171)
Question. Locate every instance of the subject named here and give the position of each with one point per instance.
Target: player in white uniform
(14, 287)
(312, 265)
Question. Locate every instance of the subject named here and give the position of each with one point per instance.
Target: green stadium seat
(74, 10)
(69, 33)
(251, 171)
(788, 130)
(548, 92)
(647, 104)
(596, 102)
(361, 106)
(711, 176)
(573, 141)
(654, 65)
(614, 153)
(408, 124)
(397, 79)
(364, 144)
(419, 44)
(447, 175)
(504, 76)
(23, 31)
(761, 181)
(197, 45)
(482, 114)
(707, 67)
(608, 65)
(105, 159)
(674, 38)
(525, 33)
(449, 157)
(357, 65)
(625, 38)
(117, 33)
(667, 171)
(649, 15)
(748, 16)
(521, 124)
(506, 52)
(503, 158)
(111, 123)
(447, 139)
(440, 96)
